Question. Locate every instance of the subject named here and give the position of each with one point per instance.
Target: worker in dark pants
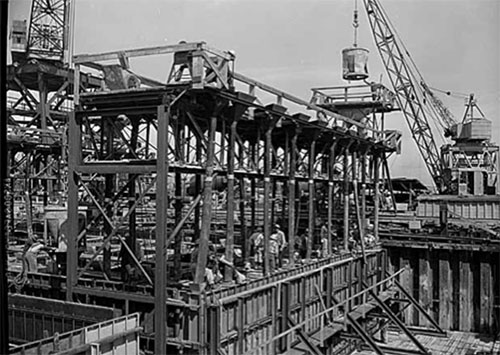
(281, 240)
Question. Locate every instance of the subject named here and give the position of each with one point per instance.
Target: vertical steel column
(4, 319)
(178, 218)
(160, 319)
(243, 223)
(267, 193)
(253, 187)
(42, 104)
(376, 194)
(180, 143)
(291, 195)
(108, 194)
(363, 191)
(310, 204)
(74, 160)
(331, 166)
(132, 195)
(346, 197)
(207, 205)
(197, 187)
(228, 271)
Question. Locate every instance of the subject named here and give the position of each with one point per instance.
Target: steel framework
(39, 99)
(167, 151)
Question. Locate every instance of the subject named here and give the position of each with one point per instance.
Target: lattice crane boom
(406, 82)
(47, 37)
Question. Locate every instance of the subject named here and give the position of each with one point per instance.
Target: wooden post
(253, 189)
(376, 194)
(207, 205)
(486, 294)
(466, 323)
(267, 194)
(331, 167)
(346, 198)
(228, 271)
(425, 285)
(160, 319)
(291, 196)
(73, 162)
(243, 223)
(311, 200)
(285, 312)
(363, 192)
(197, 188)
(445, 290)
(329, 291)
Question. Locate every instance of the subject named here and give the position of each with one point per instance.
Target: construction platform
(456, 343)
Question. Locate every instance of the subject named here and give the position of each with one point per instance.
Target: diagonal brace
(398, 321)
(419, 307)
(305, 339)
(360, 331)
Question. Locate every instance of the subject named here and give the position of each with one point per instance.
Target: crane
(47, 36)
(411, 95)
(421, 108)
(467, 167)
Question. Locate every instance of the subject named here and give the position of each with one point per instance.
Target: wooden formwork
(240, 320)
(33, 318)
(115, 336)
(459, 288)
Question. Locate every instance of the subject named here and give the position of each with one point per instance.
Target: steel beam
(311, 200)
(267, 197)
(73, 162)
(345, 192)
(292, 187)
(4, 317)
(207, 204)
(160, 319)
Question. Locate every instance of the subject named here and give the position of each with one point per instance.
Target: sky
(295, 45)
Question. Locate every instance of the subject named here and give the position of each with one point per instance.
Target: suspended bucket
(355, 63)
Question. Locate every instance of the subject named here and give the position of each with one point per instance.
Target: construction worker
(274, 251)
(256, 242)
(31, 253)
(281, 240)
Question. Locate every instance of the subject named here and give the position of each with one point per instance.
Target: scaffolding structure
(169, 149)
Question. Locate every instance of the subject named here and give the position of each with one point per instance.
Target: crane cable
(454, 94)
(355, 23)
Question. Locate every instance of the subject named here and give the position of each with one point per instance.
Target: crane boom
(406, 83)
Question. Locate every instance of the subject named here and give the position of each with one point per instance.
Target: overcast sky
(296, 44)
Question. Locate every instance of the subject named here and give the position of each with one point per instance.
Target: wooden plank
(486, 299)
(406, 281)
(455, 258)
(445, 290)
(465, 299)
(425, 285)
